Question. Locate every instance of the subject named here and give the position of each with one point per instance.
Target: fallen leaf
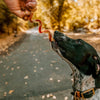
(18, 67)
(51, 95)
(48, 95)
(58, 81)
(33, 55)
(51, 79)
(12, 68)
(57, 68)
(66, 98)
(25, 95)
(26, 77)
(4, 75)
(34, 70)
(5, 94)
(25, 83)
(35, 66)
(54, 97)
(51, 65)
(41, 68)
(31, 52)
(6, 83)
(7, 68)
(1, 62)
(11, 91)
(43, 96)
(53, 61)
(38, 62)
(14, 62)
(36, 59)
(72, 79)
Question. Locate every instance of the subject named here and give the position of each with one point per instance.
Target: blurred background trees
(10, 23)
(62, 15)
(69, 14)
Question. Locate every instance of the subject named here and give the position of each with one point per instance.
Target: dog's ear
(94, 62)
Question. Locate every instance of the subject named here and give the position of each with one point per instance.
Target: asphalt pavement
(33, 71)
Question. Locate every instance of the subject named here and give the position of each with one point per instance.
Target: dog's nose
(58, 36)
(57, 33)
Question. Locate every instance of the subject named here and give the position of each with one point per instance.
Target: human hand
(22, 8)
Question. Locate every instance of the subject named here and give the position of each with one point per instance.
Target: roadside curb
(12, 46)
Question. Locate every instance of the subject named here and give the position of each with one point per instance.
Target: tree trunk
(8, 29)
(61, 2)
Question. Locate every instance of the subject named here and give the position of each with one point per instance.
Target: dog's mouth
(59, 38)
(54, 45)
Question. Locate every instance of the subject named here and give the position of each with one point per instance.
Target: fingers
(26, 15)
(20, 8)
(25, 9)
(31, 6)
(22, 14)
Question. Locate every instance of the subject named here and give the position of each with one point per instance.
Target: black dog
(79, 53)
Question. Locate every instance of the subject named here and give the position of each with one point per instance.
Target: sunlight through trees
(60, 15)
(69, 14)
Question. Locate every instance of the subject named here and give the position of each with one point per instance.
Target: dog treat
(40, 27)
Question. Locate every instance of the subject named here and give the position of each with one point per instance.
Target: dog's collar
(82, 90)
(83, 94)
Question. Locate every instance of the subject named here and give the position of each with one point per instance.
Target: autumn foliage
(58, 15)
(69, 14)
(9, 23)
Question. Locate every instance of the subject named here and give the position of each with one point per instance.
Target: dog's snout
(57, 33)
(58, 36)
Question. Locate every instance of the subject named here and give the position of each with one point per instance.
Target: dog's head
(78, 52)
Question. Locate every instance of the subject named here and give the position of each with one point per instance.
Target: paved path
(33, 71)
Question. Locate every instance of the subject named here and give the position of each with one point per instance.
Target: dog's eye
(78, 41)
